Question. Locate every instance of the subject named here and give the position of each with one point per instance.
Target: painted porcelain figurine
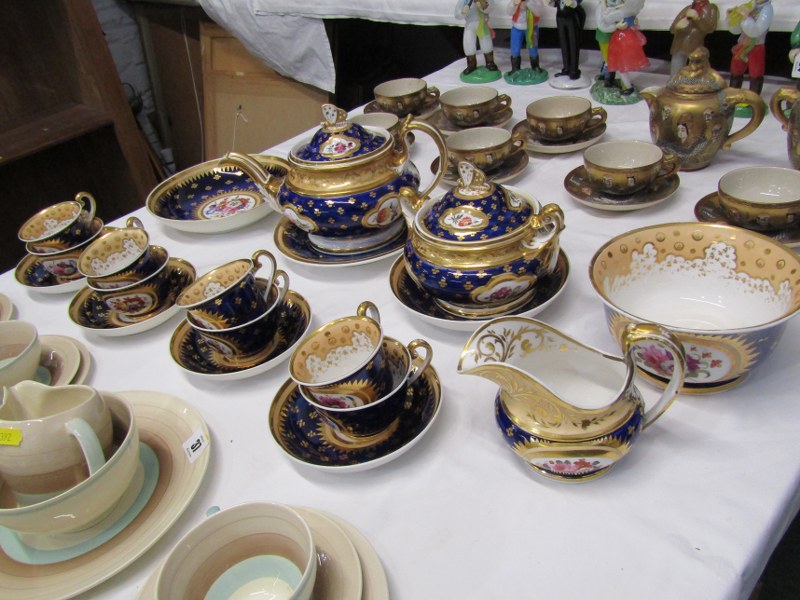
(480, 249)
(569, 411)
(525, 32)
(689, 30)
(752, 21)
(692, 115)
(475, 14)
(622, 46)
(794, 42)
(570, 19)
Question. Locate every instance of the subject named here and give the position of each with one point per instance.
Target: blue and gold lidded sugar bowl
(343, 185)
(480, 249)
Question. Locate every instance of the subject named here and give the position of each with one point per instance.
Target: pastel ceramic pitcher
(570, 411)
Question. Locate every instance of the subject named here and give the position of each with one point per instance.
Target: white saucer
(6, 308)
(165, 424)
(62, 358)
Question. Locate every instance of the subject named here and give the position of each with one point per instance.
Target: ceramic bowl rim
(726, 197)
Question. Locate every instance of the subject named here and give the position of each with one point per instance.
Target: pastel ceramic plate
(424, 114)
(511, 168)
(194, 356)
(61, 358)
(6, 308)
(578, 185)
(88, 311)
(207, 198)
(707, 210)
(307, 439)
(55, 273)
(446, 126)
(420, 303)
(338, 567)
(540, 146)
(165, 424)
(293, 243)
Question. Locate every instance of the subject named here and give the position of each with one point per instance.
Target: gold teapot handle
(636, 333)
(267, 172)
(415, 199)
(546, 225)
(749, 98)
(776, 104)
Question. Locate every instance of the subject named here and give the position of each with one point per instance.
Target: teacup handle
(670, 164)
(431, 96)
(519, 139)
(597, 118)
(648, 332)
(418, 363)
(282, 282)
(87, 201)
(503, 102)
(87, 439)
(776, 104)
(368, 309)
(134, 222)
(256, 258)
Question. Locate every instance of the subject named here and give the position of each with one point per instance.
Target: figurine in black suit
(570, 18)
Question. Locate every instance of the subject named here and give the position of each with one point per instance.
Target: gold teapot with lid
(693, 114)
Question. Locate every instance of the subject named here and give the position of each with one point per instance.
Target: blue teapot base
(357, 244)
(483, 311)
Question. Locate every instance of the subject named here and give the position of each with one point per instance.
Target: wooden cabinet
(247, 106)
(65, 122)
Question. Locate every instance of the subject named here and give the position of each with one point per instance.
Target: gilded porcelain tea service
(499, 153)
(561, 124)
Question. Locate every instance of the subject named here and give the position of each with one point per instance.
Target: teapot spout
(267, 172)
(650, 96)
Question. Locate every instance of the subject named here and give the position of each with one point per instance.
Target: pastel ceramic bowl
(20, 352)
(561, 118)
(345, 356)
(92, 499)
(485, 147)
(257, 550)
(404, 96)
(760, 198)
(228, 296)
(727, 294)
(468, 106)
(61, 226)
(623, 167)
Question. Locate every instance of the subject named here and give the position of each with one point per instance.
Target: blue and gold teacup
(250, 341)
(59, 227)
(352, 418)
(141, 297)
(344, 356)
(228, 296)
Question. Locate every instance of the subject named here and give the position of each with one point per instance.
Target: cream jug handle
(636, 333)
(415, 199)
(267, 172)
(87, 440)
(734, 96)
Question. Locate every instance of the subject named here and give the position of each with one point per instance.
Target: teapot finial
(472, 181)
(335, 118)
(697, 76)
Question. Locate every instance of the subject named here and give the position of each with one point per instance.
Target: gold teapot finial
(472, 181)
(697, 77)
(335, 118)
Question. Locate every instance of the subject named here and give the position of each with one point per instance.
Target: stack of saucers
(54, 238)
(271, 551)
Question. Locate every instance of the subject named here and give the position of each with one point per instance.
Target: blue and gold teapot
(480, 249)
(343, 185)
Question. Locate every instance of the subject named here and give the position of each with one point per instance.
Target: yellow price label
(10, 437)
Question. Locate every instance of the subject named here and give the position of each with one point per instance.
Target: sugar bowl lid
(338, 139)
(475, 210)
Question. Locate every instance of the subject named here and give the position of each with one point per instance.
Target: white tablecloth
(692, 513)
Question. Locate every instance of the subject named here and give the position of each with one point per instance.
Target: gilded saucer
(89, 311)
(307, 439)
(165, 424)
(511, 168)
(446, 126)
(579, 187)
(294, 244)
(422, 305)
(194, 356)
(537, 145)
(6, 308)
(707, 210)
(422, 115)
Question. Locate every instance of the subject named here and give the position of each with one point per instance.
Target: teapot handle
(776, 104)
(415, 199)
(259, 168)
(546, 224)
(636, 333)
(736, 96)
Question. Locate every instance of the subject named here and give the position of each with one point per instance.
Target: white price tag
(796, 67)
(195, 445)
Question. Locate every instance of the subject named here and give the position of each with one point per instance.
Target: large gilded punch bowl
(726, 292)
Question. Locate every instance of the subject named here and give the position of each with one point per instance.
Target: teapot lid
(476, 209)
(338, 139)
(697, 77)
